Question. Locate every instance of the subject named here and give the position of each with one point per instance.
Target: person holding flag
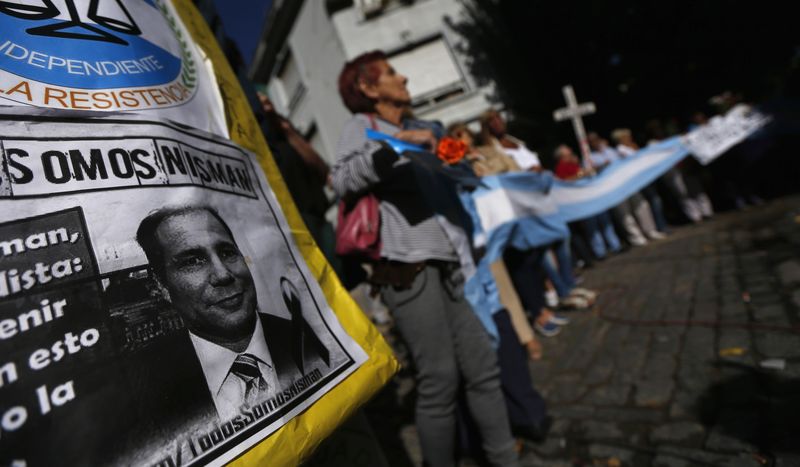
(419, 274)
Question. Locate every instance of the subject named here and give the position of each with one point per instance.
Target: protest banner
(723, 132)
(131, 56)
(125, 235)
(132, 249)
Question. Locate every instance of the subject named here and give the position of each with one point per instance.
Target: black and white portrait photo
(245, 355)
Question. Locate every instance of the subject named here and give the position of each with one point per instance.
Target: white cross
(574, 111)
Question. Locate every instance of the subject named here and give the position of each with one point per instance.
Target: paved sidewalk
(666, 369)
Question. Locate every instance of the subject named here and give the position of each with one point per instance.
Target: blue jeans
(601, 232)
(558, 267)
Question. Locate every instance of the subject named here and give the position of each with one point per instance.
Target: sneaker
(574, 302)
(589, 295)
(656, 235)
(548, 329)
(558, 320)
(551, 298)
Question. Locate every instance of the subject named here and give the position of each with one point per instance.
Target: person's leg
(552, 271)
(525, 269)
(704, 205)
(477, 361)
(677, 186)
(598, 245)
(510, 301)
(423, 323)
(696, 192)
(579, 245)
(607, 228)
(643, 214)
(563, 257)
(724, 169)
(624, 215)
(527, 275)
(526, 408)
(656, 205)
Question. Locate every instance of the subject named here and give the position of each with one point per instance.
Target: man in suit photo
(233, 355)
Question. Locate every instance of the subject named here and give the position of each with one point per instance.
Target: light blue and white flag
(528, 210)
(515, 209)
(587, 197)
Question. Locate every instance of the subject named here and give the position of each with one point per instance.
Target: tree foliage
(635, 59)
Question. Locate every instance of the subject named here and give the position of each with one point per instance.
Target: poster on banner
(106, 56)
(154, 308)
(721, 133)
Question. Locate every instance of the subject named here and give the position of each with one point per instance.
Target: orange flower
(451, 150)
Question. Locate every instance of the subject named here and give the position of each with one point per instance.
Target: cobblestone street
(690, 357)
(676, 365)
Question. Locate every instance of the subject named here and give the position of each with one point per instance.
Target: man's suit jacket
(169, 391)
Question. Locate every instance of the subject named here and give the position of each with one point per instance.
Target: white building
(306, 43)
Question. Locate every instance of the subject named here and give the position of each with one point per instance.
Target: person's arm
(360, 162)
(597, 164)
(421, 137)
(307, 152)
(625, 151)
(479, 164)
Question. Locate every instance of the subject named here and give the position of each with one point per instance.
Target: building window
(432, 72)
(291, 83)
(368, 8)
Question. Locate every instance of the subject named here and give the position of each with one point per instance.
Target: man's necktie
(246, 368)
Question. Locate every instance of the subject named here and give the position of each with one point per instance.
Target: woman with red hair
(419, 274)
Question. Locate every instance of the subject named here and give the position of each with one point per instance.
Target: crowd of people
(459, 371)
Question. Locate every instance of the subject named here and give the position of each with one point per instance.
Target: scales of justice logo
(95, 45)
(110, 14)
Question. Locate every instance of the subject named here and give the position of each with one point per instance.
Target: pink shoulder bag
(358, 228)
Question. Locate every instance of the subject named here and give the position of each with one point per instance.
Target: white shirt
(227, 389)
(603, 157)
(524, 157)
